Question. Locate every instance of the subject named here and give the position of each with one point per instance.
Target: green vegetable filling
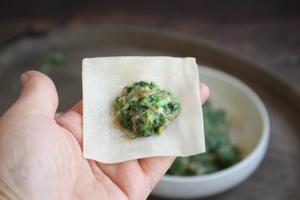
(220, 153)
(145, 109)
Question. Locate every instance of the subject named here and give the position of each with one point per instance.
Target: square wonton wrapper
(103, 80)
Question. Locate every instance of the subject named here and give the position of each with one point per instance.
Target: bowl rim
(264, 138)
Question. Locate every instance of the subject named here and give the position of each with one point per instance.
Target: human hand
(41, 156)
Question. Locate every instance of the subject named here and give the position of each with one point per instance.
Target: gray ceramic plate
(278, 177)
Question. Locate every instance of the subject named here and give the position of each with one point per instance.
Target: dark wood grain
(265, 32)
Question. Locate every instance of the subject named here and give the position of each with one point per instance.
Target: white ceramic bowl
(249, 132)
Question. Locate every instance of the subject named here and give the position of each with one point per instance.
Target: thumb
(38, 95)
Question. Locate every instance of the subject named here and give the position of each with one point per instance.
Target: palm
(128, 180)
(51, 158)
(41, 157)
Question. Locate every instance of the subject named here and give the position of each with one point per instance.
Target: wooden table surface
(265, 32)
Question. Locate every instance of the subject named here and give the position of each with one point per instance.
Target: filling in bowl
(220, 153)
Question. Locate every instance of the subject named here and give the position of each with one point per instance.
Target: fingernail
(24, 77)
